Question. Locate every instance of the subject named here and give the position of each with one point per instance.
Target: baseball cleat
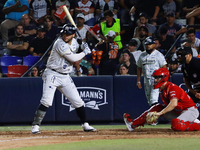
(128, 121)
(87, 128)
(35, 129)
(196, 121)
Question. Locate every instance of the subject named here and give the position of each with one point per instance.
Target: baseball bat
(70, 19)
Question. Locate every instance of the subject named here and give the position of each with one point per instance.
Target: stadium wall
(106, 99)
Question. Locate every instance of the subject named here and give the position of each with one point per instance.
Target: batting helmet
(149, 40)
(162, 75)
(68, 29)
(181, 52)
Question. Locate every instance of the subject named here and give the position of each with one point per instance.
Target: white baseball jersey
(82, 32)
(86, 7)
(55, 79)
(56, 60)
(136, 54)
(150, 62)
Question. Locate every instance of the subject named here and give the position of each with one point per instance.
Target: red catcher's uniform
(173, 91)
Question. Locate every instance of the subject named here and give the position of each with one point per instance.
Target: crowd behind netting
(115, 31)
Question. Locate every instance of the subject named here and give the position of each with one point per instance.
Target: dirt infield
(17, 139)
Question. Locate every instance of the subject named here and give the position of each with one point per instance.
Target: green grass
(125, 144)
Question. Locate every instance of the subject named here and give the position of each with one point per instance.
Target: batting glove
(86, 49)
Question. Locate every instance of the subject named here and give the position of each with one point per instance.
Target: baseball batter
(56, 76)
(178, 106)
(149, 60)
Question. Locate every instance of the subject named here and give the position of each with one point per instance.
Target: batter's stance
(178, 106)
(56, 75)
(149, 60)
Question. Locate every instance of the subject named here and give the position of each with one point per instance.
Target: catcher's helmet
(181, 52)
(162, 74)
(149, 40)
(68, 29)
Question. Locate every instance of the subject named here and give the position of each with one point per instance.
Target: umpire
(191, 71)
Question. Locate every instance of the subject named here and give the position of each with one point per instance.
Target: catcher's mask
(160, 76)
(181, 52)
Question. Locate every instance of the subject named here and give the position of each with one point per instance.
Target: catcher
(178, 106)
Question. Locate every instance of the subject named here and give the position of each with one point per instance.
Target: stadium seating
(197, 34)
(16, 70)
(9, 60)
(30, 60)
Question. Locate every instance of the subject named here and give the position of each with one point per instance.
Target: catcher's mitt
(151, 117)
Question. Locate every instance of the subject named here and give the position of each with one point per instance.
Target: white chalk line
(29, 138)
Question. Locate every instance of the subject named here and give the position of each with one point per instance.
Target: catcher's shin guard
(180, 125)
(141, 120)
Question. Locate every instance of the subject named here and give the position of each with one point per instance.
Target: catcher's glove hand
(151, 117)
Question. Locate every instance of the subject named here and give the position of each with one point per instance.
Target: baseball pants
(53, 80)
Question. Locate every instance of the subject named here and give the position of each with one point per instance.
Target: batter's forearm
(74, 57)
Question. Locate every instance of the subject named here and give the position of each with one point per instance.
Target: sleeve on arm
(74, 57)
(64, 50)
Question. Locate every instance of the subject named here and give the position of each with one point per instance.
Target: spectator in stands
(34, 72)
(123, 69)
(173, 66)
(132, 67)
(168, 6)
(82, 68)
(97, 26)
(124, 7)
(30, 29)
(109, 56)
(13, 11)
(56, 9)
(40, 43)
(52, 30)
(91, 40)
(170, 25)
(87, 8)
(132, 47)
(195, 42)
(103, 5)
(144, 22)
(165, 40)
(151, 8)
(38, 10)
(112, 24)
(80, 25)
(143, 34)
(18, 44)
(189, 7)
(188, 43)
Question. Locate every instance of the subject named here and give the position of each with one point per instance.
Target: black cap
(173, 61)
(142, 15)
(133, 42)
(41, 28)
(149, 40)
(171, 14)
(126, 51)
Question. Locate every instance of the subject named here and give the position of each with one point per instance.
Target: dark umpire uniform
(191, 71)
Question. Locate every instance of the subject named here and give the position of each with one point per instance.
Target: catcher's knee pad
(178, 125)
